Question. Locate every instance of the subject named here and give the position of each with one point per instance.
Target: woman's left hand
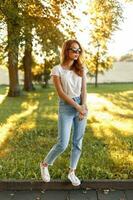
(81, 116)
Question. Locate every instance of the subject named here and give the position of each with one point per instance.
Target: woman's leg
(78, 133)
(65, 120)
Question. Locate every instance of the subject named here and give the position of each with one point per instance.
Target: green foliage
(105, 17)
(26, 21)
(104, 63)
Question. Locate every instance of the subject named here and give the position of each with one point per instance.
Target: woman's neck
(68, 64)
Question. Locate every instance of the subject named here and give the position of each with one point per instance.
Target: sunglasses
(74, 50)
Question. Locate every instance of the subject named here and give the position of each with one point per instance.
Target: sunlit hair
(77, 66)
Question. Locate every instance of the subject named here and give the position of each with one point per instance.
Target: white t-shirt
(71, 82)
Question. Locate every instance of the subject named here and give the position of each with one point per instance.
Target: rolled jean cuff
(73, 168)
(51, 164)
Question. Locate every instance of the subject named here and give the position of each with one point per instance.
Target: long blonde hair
(77, 66)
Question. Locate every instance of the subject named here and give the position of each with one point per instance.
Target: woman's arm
(84, 90)
(62, 94)
(83, 97)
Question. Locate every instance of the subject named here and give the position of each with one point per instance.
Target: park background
(31, 35)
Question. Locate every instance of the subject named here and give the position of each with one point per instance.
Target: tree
(27, 60)
(50, 35)
(30, 11)
(105, 16)
(22, 18)
(34, 14)
(9, 12)
(44, 20)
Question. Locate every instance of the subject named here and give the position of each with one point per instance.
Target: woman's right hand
(81, 109)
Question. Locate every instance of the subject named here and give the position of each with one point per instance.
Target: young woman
(69, 79)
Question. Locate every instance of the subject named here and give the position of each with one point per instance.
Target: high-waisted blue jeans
(67, 120)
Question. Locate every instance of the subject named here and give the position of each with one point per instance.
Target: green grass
(28, 127)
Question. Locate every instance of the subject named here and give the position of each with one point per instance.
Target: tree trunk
(97, 64)
(46, 74)
(13, 45)
(27, 60)
(96, 75)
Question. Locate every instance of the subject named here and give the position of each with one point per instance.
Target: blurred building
(122, 72)
(4, 77)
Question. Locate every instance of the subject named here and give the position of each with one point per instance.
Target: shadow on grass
(30, 131)
(24, 113)
(111, 126)
(101, 159)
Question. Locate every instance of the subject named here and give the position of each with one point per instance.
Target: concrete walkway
(67, 195)
(63, 190)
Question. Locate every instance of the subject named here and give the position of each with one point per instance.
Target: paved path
(67, 195)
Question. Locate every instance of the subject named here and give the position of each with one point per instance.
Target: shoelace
(74, 177)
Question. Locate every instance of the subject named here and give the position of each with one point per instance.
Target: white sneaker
(74, 179)
(44, 172)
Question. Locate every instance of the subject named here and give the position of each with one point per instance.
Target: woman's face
(74, 51)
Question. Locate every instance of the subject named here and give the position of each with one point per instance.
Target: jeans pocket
(77, 100)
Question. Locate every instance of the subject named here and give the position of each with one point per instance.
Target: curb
(65, 185)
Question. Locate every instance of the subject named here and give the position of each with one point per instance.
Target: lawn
(28, 129)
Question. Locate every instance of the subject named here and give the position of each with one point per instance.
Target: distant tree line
(128, 57)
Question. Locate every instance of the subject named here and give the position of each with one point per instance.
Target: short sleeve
(55, 71)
